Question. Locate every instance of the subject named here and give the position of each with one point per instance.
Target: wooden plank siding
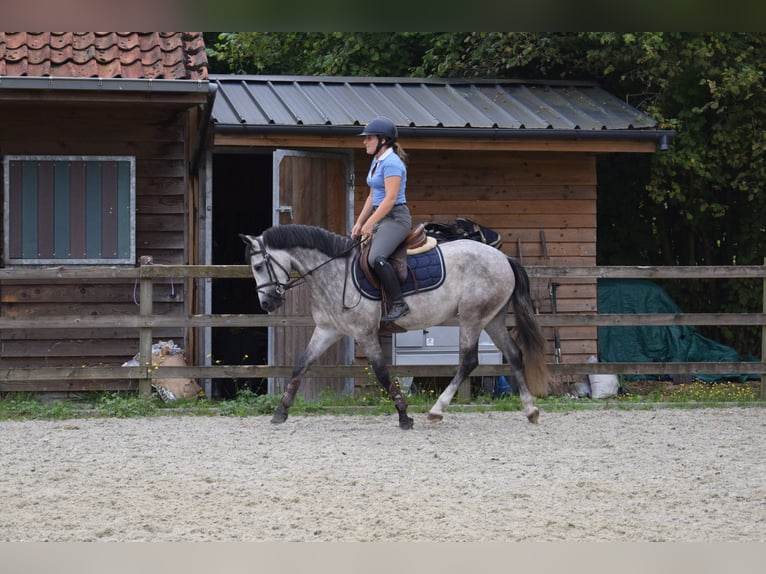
(518, 195)
(156, 135)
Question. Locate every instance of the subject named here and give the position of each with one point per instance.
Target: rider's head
(385, 129)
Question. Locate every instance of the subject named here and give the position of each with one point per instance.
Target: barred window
(69, 209)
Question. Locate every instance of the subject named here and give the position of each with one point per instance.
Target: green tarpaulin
(673, 343)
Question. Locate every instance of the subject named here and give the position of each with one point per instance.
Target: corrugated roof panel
(508, 110)
(463, 100)
(412, 105)
(583, 104)
(304, 110)
(354, 105)
(544, 104)
(410, 110)
(333, 110)
(486, 108)
(240, 107)
(441, 114)
(580, 110)
(380, 105)
(412, 102)
(607, 110)
(224, 112)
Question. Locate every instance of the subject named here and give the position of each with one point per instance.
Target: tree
(321, 53)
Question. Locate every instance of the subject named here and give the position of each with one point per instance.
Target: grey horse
(480, 282)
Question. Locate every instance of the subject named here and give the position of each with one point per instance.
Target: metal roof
(418, 105)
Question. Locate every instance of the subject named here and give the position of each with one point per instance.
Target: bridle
(280, 288)
(270, 262)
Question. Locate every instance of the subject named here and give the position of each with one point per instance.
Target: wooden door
(310, 189)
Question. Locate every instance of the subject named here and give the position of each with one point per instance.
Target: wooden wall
(156, 135)
(518, 194)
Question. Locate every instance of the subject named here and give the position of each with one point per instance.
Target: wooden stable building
(101, 140)
(516, 156)
(156, 159)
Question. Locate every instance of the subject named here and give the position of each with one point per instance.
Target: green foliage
(28, 405)
(126, 406)
(247, 403)
(320, 53)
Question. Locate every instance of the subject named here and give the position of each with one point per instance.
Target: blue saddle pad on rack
(425, 271)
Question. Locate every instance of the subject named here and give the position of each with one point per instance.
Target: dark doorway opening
(242, 203)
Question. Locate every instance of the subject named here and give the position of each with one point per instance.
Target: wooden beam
(245, 321)
(590, 145)
(343, 371)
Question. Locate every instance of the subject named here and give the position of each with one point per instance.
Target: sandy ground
(659, 475)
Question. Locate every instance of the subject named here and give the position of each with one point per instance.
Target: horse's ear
(247, 239)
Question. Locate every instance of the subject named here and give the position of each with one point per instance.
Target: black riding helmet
(383, 128)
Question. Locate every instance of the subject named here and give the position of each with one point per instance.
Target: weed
(115, 405)
(247, 403)
(725, 392)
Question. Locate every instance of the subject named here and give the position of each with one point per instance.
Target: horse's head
(271, 276)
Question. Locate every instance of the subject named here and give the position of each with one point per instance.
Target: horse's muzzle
(269, 303)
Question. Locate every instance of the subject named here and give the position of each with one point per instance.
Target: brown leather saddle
(416, 239)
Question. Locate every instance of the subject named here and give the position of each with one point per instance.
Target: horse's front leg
(321, 340)
(375, 355)
(393, 390)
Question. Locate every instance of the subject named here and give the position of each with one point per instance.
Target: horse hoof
(278, 418)
(406, 424)
(533, 416)
(432, 418)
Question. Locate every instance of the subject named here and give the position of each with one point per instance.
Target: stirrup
(397, 311)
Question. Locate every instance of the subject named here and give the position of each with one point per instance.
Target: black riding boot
(390, 283)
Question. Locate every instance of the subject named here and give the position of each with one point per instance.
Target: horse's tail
(529, 334)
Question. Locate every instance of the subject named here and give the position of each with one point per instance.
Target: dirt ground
(596, 475)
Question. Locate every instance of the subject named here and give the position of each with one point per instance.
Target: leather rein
(282, 287)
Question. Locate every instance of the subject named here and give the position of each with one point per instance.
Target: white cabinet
(438, 346)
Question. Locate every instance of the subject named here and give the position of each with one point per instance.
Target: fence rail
(146, 321)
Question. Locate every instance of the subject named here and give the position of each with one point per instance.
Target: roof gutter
(102, 84)
(661, 137)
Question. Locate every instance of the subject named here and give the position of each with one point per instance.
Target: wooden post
(145, 290)
(763, 340)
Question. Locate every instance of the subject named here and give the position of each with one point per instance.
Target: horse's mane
(308, 237)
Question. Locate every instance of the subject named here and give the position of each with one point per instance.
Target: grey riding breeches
(389, 232)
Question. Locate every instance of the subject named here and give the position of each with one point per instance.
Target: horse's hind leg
(321, 340)
(502, 338)
(375, 355)
(469, 359)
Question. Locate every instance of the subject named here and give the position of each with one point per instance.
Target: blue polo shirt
(388, 165)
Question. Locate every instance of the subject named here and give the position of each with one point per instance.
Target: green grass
(28, 406)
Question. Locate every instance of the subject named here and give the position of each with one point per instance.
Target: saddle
(416, 242)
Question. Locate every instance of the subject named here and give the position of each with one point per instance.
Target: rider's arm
(363, 215)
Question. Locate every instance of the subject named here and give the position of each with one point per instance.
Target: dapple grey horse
(479, 284)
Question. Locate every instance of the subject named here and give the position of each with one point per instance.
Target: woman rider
(385, 216)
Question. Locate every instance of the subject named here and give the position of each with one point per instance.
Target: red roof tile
(143, 55)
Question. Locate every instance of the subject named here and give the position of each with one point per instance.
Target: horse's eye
(257, 267)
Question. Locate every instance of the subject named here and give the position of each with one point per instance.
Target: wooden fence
(146, 321)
